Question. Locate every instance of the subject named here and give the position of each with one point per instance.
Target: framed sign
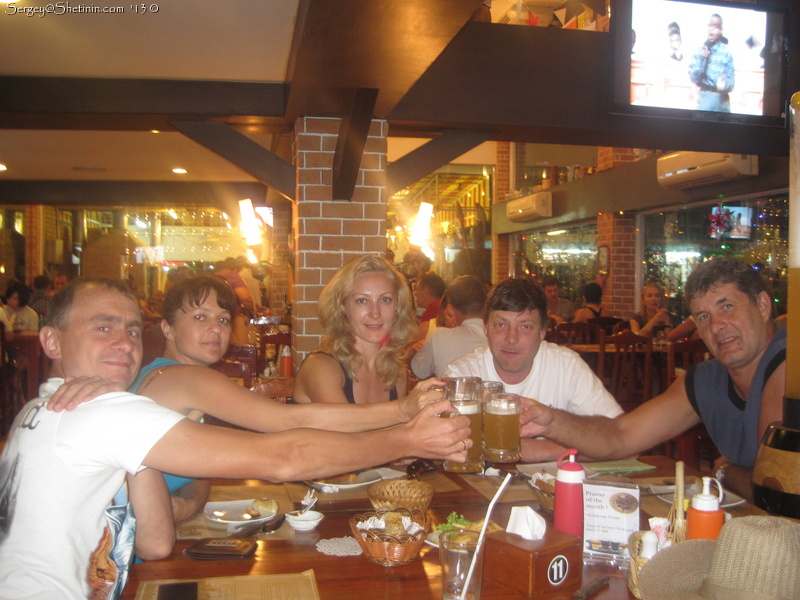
(602, 260)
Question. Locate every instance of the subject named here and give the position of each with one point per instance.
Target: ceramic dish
(233, 511)
(364, 478)
(305, 522)
(432, 539)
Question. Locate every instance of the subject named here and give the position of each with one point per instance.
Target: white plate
(232, 511)
(432, 539)
(548, 467)
(729, 501)
(364, 478)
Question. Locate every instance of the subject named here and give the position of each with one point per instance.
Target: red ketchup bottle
(568, 502)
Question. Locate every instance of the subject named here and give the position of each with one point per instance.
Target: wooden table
(348, 577)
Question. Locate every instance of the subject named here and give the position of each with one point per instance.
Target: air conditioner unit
(683, 170)
(530, 207)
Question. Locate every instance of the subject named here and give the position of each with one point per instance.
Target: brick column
(618, 233)
(502, 189)
(608, 157)
(331, 232)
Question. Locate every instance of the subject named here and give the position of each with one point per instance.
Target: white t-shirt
(25, 320)
(559, 378)
(447, 344)
(58, 475)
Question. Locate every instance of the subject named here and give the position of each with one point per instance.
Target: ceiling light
(179, 171)
(171, 212)
(557, 232)
(3, 167)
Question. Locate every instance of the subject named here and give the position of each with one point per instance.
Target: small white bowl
(306, 521)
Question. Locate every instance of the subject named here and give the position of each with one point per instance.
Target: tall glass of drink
(501, 427)
(465, 394)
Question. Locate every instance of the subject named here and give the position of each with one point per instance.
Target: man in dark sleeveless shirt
(736, 395)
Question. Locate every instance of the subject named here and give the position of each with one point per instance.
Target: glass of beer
(466, 394)
(501, 427)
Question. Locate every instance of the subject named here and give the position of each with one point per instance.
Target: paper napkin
(526, 522)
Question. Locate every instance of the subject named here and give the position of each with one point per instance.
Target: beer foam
(500, 410)
(472, 408)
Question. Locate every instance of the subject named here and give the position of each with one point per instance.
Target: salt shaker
(568, 500)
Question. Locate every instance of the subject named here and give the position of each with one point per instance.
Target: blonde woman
(653, 316)
(367, 313)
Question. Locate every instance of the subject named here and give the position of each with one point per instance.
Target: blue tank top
(174, 482)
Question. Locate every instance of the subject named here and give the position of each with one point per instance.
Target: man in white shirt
(60, 470)
(466, 295)
(516, 321)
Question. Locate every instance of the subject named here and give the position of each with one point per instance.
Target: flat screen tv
(731, 222)
(707, 60)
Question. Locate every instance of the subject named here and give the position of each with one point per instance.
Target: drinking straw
(482, 534)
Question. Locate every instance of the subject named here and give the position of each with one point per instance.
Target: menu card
(610, 516)
(291, 586)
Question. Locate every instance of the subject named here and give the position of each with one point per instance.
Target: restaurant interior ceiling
(223, 84)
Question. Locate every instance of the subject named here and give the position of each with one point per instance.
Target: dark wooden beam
(434, 154)
(242, 152)
(353, 131)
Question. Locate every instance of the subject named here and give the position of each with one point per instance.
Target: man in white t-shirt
(515, 318)
(60, 470)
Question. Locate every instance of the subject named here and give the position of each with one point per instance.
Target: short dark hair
(193, 291)
(433, 283)
(550, 280)
(467, 295)
(41, 282)
(720, 271)
(517, 294)
(60, 306)
(22, 291)
(593, 293)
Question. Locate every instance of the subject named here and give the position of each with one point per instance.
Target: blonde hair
(655, 286)
(339, 339)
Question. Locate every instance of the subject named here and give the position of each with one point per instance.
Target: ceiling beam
(434, 154)
(243, 152)
(353, 131)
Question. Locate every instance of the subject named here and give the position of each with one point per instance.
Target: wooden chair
(631, 372)
(608, 324)
(248, 354)
(584, 332)
(550, 334)
(277, 339)
(235, 370)
(693, 445)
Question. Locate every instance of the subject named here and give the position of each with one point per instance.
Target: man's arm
(655, 421)
(155, 527)
(195, 450)
(190, 499)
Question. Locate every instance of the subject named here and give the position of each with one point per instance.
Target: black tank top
(348, 382)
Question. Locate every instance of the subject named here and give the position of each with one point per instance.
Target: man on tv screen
(712, 69)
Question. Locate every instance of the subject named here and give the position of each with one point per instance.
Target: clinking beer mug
(501, 427)
(465, 394)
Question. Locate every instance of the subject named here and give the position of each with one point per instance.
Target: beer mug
(501, 427)
(466, 395)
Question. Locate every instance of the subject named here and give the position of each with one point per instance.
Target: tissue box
(536, 568)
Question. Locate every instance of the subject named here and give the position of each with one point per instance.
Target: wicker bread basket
(544, 493)
(410, 494)
(386, 549)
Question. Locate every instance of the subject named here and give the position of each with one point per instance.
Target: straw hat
(755, 558)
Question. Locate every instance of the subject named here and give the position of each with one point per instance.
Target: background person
(653, 316)
(558, 308)
(428, 292)
(466, 296)
(21, 316)
(712, 70)
(736, 395)
(594, 309)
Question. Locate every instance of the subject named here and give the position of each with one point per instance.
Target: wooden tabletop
(348, 577)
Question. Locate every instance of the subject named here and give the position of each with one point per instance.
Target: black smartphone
(181, 590)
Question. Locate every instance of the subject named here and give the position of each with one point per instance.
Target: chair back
(682, 355)
(234, 369)
(631, 373)
(248, 354)
(550, 334)
(607, 323)
(277, 339)
(581, 332)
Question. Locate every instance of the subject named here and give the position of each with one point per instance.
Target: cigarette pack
(536, 568)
